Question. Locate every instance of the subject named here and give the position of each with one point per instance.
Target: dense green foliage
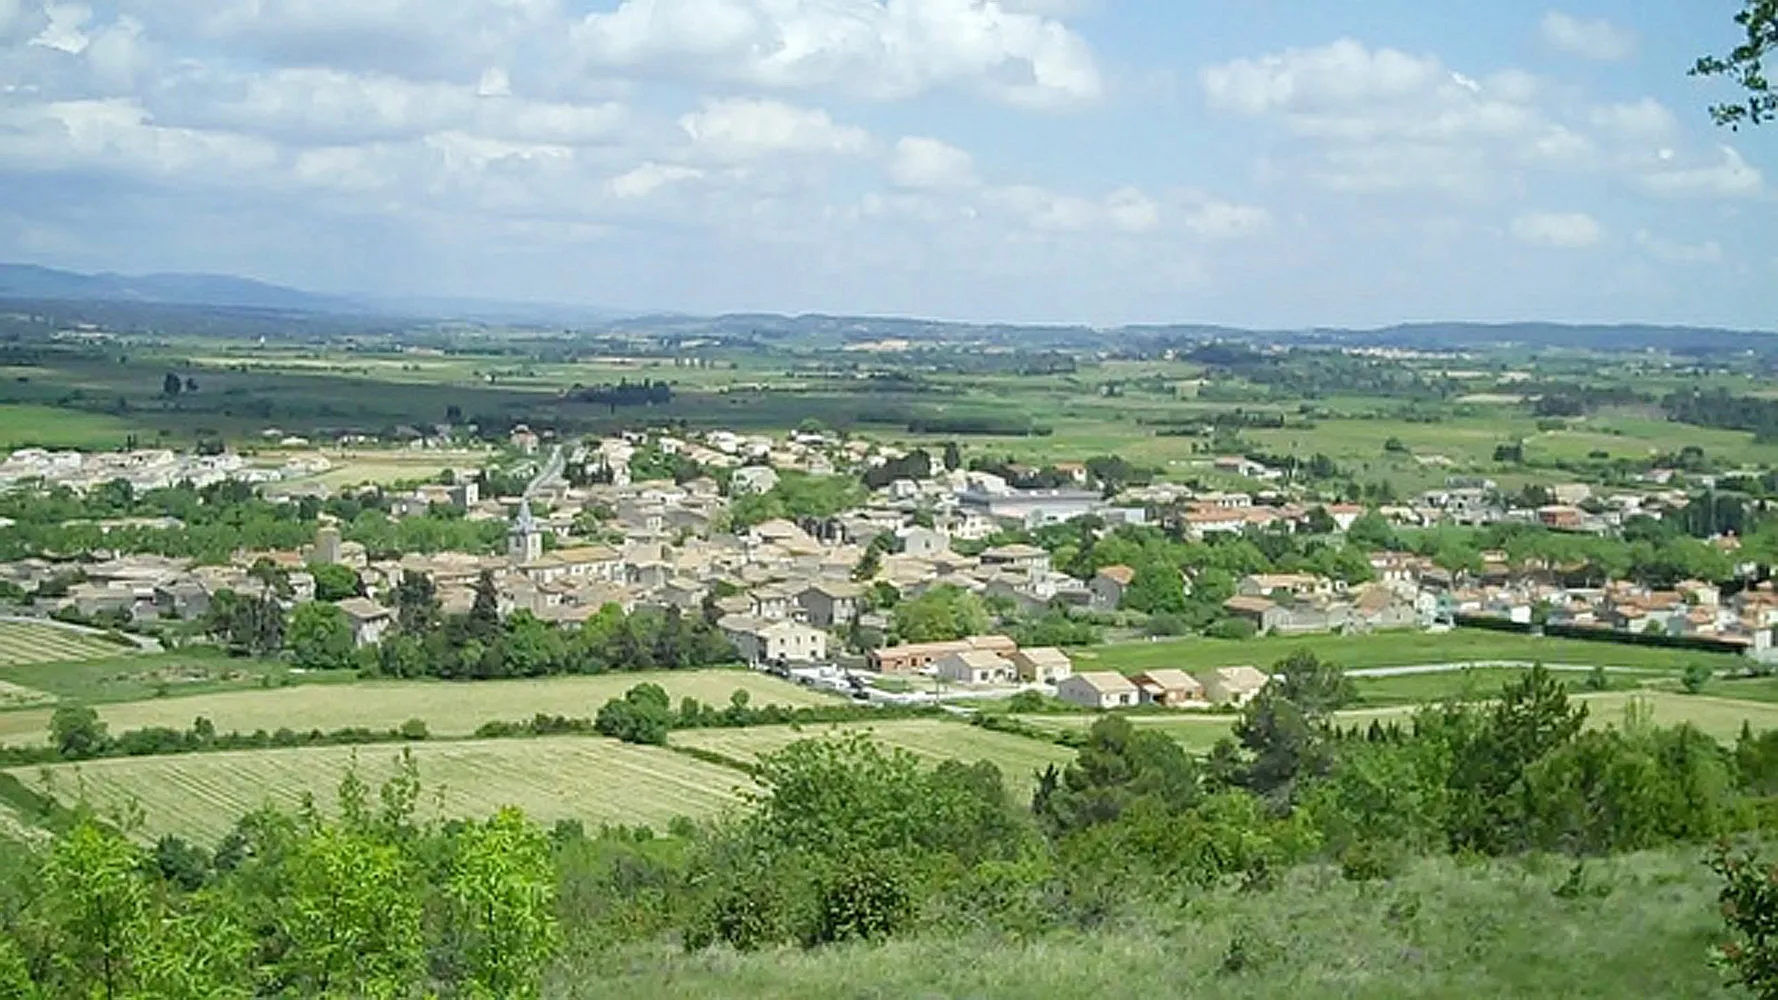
(371, 904)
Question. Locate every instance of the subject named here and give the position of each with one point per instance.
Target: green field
(120, 676)
(1471, 684)
(32, 426)
(448, 709)
(200, 796)
(1393, 649)
(1018, 758)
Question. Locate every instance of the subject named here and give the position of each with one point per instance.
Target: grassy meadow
(1393, 649)
(1445, 930)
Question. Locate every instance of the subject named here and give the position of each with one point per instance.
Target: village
(597, 526)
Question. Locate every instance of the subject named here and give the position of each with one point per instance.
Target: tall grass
(1633, 926)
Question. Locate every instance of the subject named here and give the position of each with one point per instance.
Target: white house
(774, 642)
(753, 479)
(975, 666)
(369, 620)
(1099, 689)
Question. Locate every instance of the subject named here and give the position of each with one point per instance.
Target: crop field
(1394, 649)
(447, 709)
(1018, 757)
(31, 642)
(200, 796)
(28, 426)
(1474, 683)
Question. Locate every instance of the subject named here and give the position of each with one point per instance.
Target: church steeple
(524, 540)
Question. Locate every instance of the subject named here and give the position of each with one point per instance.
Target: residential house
(774, 601)
(1108, 586)
(1263, 612)
(1344, 515)
(1099, 689)
(1283, 584)
(1233, 685)
(186, 600)
(369, 620)
(1020, 557)
(759, 641)
(1042, 664)
(914, 657)
(752, 479)
(923, 543)
(975, 666)
(830, 604)
(1169, 688)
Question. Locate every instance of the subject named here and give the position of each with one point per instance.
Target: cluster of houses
(784, 593)
(1166, 688)
(143, 469)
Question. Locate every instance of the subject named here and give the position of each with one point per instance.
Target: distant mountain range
(221, 291)
(104, 296)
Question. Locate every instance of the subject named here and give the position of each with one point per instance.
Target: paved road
(551, 469)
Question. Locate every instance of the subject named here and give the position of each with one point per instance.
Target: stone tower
(524, 540)
(327, 545)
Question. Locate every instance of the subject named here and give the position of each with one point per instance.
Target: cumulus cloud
(1730, 176)
(1557, 230)
(921, 163)
(1599, 40)
(651, 177)
(743, 129)
(880, 49)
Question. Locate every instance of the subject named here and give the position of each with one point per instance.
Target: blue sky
(1253, 162)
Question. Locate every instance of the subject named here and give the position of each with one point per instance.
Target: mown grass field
(33, 642)
(1443, 930)
(1018, 758)
(200, 796)
(447, 709)
(1393, 649)
(1717, 717)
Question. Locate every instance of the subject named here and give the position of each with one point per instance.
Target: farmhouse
(975, 666)
(1099, 689)
(1169, 688)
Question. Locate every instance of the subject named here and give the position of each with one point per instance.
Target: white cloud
(744, 129)
(1647, 120)
(921, 163)
(335, 106)
(881, 49)
(1557, 230)
(1730, 176)
(651, 177)
(1598, 40)
(1218, 220)
(66, 31)
(1382, 119)
(1131, 211)
(1671, 252)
